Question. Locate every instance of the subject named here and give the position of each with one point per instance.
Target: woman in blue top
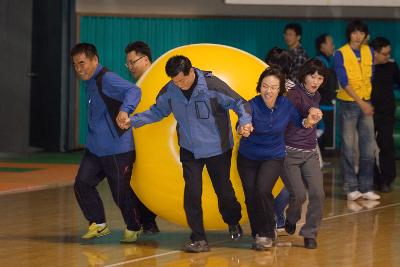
(261, 153)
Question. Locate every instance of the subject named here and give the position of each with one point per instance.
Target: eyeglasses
(133, 62)
(270, 88)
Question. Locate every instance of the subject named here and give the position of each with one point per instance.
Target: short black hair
(296, 27)
(140, 48)
(321, 39)
(356, 25)
(89, 50)
(310, 67)
(279, 57)
(177, 64)
(273, 71)
(379, 42)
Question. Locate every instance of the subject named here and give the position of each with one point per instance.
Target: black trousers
(118, 170)
(218, 168)
(384, 126)
(258, 179)
(146, 215)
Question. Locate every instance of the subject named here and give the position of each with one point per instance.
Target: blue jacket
(267, 141)
(102, 138)
(203, 122)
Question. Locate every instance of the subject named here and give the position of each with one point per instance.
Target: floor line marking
(222, 241)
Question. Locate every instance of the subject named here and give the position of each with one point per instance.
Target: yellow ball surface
(157, 178)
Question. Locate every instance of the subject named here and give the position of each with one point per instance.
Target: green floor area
(45, 157)
(10, 169)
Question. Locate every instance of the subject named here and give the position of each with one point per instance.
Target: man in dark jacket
(386, 76)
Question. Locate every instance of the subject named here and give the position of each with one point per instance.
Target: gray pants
(301, 173)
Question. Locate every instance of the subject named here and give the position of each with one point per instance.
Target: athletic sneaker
(96, 231)
(354, 195)
(235, 231)
(196, 247)
(262, 243)
(130, 236)
(370, 195)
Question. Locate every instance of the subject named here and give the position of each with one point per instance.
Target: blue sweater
(267, 141)
(204, 126)
(102, 139)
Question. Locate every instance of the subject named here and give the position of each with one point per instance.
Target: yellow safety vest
(358, 73)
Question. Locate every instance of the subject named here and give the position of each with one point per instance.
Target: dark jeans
(118, 170)
(281, 201)
(384, 126)
(218, 168)
(258, 179)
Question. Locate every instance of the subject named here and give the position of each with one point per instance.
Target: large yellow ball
(157, 178)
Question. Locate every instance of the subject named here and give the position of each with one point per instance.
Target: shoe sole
(98, 235)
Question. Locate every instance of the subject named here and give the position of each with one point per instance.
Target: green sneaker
(130, 236)
(96, 231)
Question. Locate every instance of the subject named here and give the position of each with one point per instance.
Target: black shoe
(150, 228)
(196, 247)
(310, 243)
(235, 231)
(290, 228)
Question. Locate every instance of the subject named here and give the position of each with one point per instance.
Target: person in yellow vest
(354, 68)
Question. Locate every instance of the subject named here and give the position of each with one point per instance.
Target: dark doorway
(51, 36)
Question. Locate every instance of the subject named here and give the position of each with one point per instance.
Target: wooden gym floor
(41, 227)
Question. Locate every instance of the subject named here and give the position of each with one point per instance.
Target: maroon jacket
(302, 138)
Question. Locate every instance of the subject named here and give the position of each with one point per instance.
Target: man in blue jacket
(110, 149)
(200, 103)
(138, 61)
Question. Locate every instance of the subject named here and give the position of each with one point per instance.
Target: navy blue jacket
(102, 138)
(203, 122)
(267, 141)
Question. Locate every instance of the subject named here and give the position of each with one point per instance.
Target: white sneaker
(370, 195)
(354, 195)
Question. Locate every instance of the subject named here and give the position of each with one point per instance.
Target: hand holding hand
(246, 129)
(314, 116)
(123, 120)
